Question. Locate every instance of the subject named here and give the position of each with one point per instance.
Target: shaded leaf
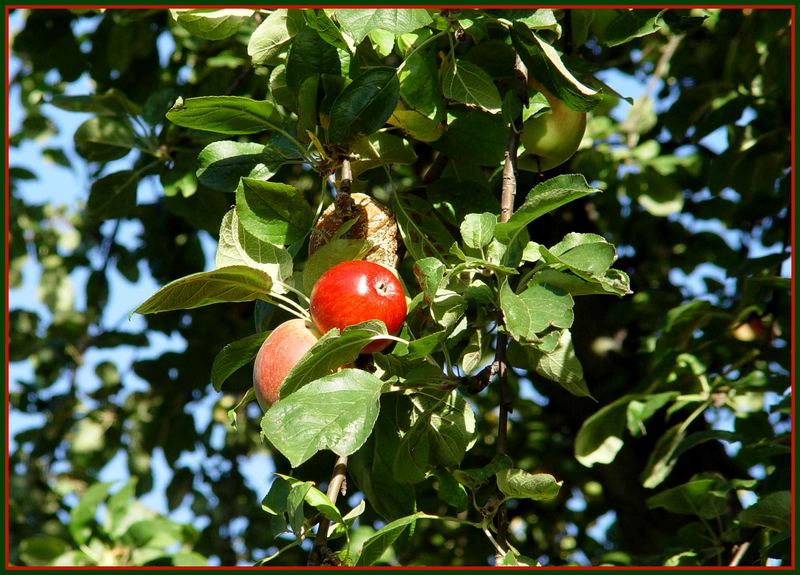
(234, 356)
(469, 84)
(375, 546)
(364, 105)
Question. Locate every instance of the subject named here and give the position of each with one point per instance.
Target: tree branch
(344, 202)
(320, 553)
(508, 195)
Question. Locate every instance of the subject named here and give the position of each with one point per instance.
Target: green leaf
(307, 115)
(631, 24)
(229, 284)
(327, 30)
(706, 498)
(332, 350)
(211, 24)
(440, 431)
(695, 439)
(613, 281)
(511, 560)
(422, 231)
(535, 310)
(157, 533)
(381, 149)
(84, 512)
(225, 114)
(113, 196)
(223, 163)
(189, 559)
(333, 252)
(660, 195)
(475, 137)
(772, 511)
(420, 84)
(474, 478)
(477, 230)
(335, 412)
(545, 64)
(662, 457)
(309, 55)
(519, 484)
(268, 42)
(103, 139)
(561, 365)
(118, 507)
(589, 253)
(315, 498)
(469, 84)
(41, 550)
(364, 105)
(273, 213)
(239, 247)
(430, 274)
(543, 199)
(359, 23)
(600, 437)
(372, 466)
(375, 546)
(110, 103)
(234, 356)
(416, 125)
(421, 346)
(275, 501)
(451, 491)
(248, 396)
(640, 411)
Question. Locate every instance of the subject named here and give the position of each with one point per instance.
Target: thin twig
(740, 551)
(662, 67)
(435, 169)
(337, 485)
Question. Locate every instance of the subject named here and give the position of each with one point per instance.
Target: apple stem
(336, 486)
(290, 306)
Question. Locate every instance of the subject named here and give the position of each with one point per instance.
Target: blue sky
(62, 186)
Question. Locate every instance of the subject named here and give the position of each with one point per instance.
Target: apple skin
(356, 291)
(552, 138)
(282, 349)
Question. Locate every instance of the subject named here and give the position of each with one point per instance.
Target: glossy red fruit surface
(277, 356)
(356, 291)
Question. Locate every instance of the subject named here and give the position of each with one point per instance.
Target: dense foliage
(633, 311)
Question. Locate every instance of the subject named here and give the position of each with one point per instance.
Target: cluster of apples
(348, 293)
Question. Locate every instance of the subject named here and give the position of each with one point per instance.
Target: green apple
(553, 137)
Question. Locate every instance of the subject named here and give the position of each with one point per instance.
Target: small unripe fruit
(282, 349)
(355, 291)
(552, 138)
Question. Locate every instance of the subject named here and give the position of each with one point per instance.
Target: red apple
(277, 356)
(356, 291)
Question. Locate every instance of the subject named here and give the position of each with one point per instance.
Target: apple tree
(549, 358)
